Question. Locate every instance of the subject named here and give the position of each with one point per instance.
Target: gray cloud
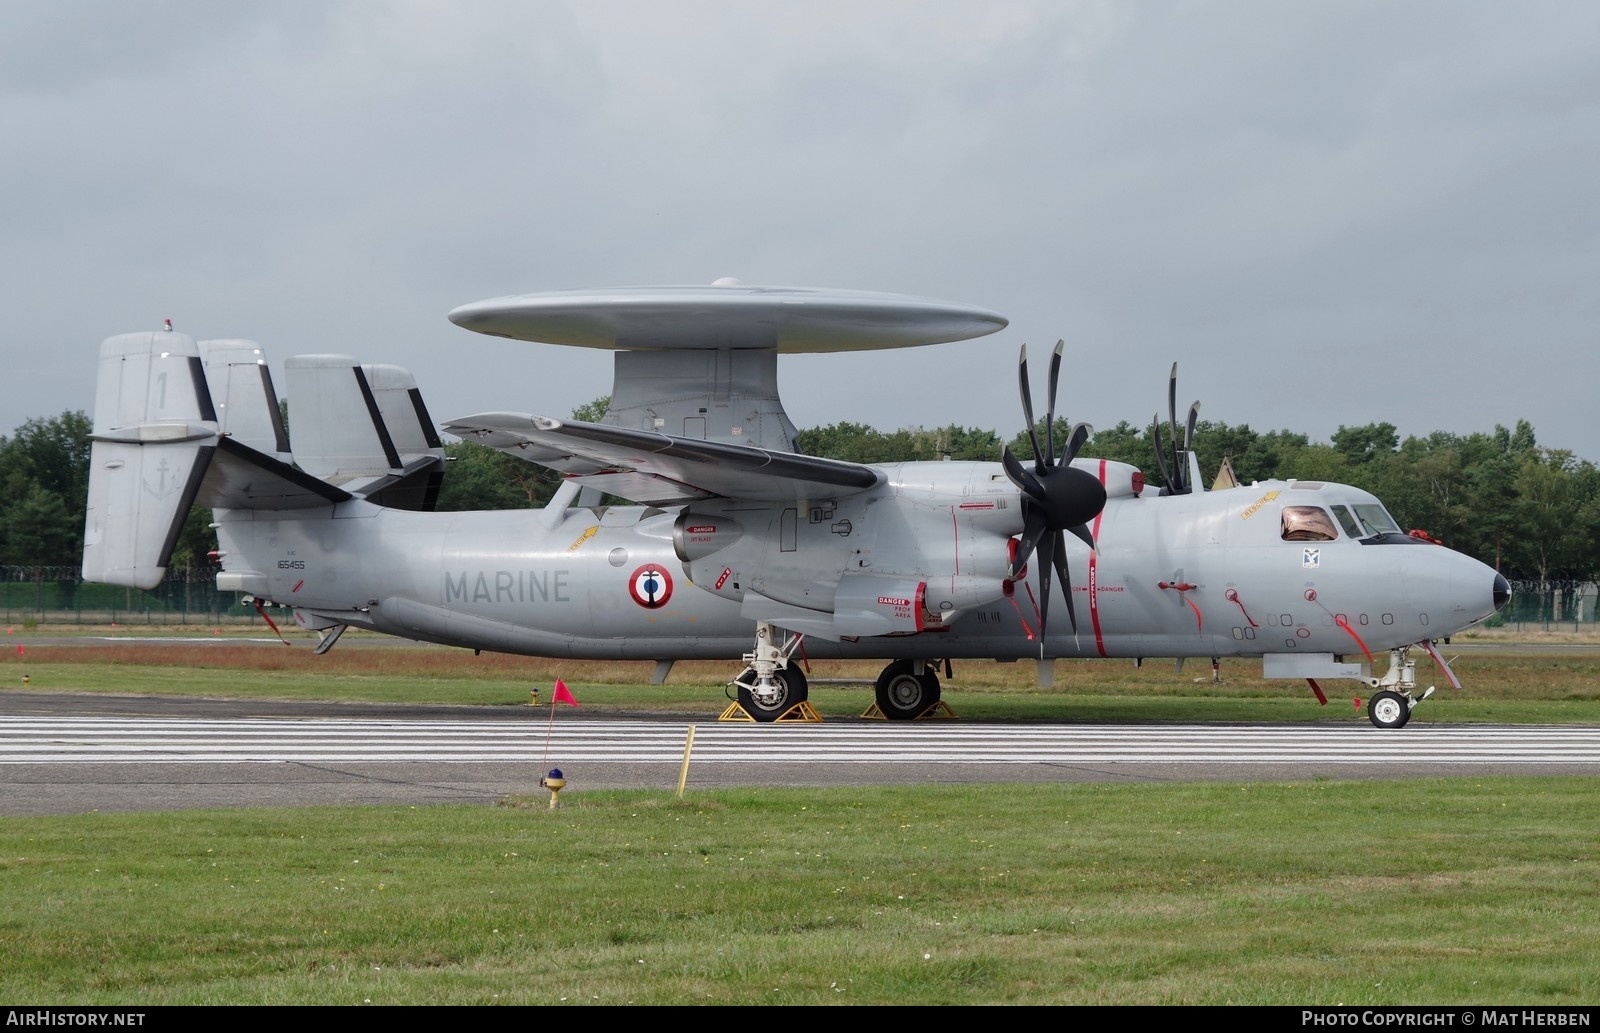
(1328, 213)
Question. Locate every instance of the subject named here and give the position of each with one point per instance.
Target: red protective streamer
(1182, 587)
(1339, 619)
(263, 611)
(1025, 627)
(1233, 597)
(1318, 690)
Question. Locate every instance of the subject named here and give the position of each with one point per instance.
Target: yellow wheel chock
(802, 712)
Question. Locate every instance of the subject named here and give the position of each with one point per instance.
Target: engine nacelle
(697, 535)
(946, 597)
(1121, 480)
(872, 604)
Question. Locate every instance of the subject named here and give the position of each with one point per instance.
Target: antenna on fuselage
(1226, 478)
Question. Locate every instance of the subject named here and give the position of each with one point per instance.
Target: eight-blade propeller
(1056, 496)
(1176, 476)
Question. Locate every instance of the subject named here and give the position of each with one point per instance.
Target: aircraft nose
(1502, 592)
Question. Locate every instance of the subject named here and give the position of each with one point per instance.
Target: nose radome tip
(1502, 592)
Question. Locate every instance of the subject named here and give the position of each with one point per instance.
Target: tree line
(1532, 513)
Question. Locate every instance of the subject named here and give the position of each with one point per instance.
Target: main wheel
(799, 687)
(792, 689)
(1389, 710)
(903, 694)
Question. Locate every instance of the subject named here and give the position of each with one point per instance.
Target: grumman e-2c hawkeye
(739, 548)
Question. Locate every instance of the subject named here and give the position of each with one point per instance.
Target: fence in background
(59, 595)
(1550, 606)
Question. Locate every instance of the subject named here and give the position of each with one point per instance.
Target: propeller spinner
(1056, 496)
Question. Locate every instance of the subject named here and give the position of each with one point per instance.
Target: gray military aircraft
(737, 547)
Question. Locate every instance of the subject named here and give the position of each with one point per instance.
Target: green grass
(1499, 687)
(1451, 891)
(1438, 891)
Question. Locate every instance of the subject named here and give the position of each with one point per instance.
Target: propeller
(1056, 496)
(1176, 476)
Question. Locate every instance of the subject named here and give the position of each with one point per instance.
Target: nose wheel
(1389, 709)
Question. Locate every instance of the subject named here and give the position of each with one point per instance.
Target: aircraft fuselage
(1208, 574)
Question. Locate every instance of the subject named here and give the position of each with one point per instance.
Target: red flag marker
(562, 694)
(19, 648)
(1358, 704)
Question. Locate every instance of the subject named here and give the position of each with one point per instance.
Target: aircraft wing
(659, 469)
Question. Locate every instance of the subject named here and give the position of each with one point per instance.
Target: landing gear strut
(907, 689)
(770, 685)
(1391, 705)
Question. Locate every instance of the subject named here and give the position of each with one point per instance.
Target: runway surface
(72, 754)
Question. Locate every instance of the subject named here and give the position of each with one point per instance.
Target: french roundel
(650, 587)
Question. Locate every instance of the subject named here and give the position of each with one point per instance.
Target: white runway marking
(70, 740)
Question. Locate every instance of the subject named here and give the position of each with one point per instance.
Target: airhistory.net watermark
(71, 1017)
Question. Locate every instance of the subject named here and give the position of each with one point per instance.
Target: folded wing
(659, 469)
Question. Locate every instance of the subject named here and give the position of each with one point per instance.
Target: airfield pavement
(74, 753)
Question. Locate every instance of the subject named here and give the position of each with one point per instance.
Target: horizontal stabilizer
(239, 477)
(364, 429)
(659, 469)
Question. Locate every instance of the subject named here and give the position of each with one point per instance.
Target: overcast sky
(1328, 213)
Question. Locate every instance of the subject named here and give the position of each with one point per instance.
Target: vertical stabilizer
(154, 431)
(244, 396)
(364, 428)
(338, 432)
(400, 404)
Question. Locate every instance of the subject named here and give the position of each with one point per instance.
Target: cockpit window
(1348, 521)
(1376, 519)
(1307, 524)
(1365, 520)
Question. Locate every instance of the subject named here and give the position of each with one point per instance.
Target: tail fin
(154, 430)
(158, 448)
(365, 429)
(245, 400)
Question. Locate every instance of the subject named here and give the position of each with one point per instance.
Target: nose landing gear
(1391, 705)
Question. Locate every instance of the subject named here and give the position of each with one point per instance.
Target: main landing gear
(1391, 705)
(907, 689)
(771, 685)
